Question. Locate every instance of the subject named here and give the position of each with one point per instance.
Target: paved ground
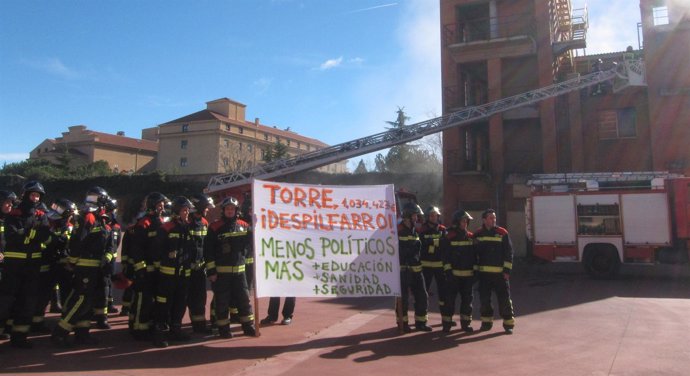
(567, 324)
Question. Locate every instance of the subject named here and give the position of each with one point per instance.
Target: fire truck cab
(604, 220)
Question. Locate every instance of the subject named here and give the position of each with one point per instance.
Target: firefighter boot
(508, 329)
(102, 322)
(406, 328)
(446, 327)
(160, 338)
(224, 331)
(55, 299)
(249, 329)
(19, 341)
(60, 336)
(83, 337)
(201, 328)
(112, 309)
(176, 334)
(465, 325)
(422, 326)
(486, 326)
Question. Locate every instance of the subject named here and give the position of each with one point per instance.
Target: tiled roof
(206, 115)
(113, 140)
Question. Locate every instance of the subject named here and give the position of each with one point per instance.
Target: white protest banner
(325, 241)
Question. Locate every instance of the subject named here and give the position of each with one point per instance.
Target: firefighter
(176, 250)
(127, 264)
(111, 212)
(224, 250)
(103, 297)
(52, 270)
(459, 264)
(26, 231)
(143, 256)
(7, 200)
(196, 296)
(89, 246)
(430, 234)
(495, 262)
(246, 214)
(411, 277)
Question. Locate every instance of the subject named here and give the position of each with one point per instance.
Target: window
(240, 129)
(227, 127)
(288, 142)
(185, 128)
(227, 143)
(263, 154)
(598, 219)
(660, 15)
(249, 147)
(183, 144)
(266, 136)
(615, 124)
(299, 145)
(240, 147)
(226, 162)
(277, 139)
(183, 162)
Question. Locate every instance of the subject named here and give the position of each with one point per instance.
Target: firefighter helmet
(411, 208)
(432, 210)
(110, 205)
(202, 201)
(32, 186)
(229, 201)
(62, 208)
(154, 198)
(459, 215)
(7, 195)
(180, 202)
(96, 197)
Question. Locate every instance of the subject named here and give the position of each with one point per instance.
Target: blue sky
(329, 69)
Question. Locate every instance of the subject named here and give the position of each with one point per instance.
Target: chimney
(121, 133)
(256, 122)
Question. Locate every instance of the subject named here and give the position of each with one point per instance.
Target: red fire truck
(604, 220)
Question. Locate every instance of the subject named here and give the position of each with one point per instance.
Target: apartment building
(219, 140)
(493, 49)
(83, 146)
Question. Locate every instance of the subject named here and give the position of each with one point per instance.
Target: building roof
(110, 139)
(207, 115)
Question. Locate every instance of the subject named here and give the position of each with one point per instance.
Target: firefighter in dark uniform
(224, 251)
(143, 255)
(459, 264)
(431, 234)
(411, 277)
(196, 296)
(111, 212)
(127, 264)
(495, 261)
(104, 286)
(60, 218)
(176, 251)
(7, 200)
(26, 231)
(88, 248)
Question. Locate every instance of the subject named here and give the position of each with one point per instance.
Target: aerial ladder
(379, 141)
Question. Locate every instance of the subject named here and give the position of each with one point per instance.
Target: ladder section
(387, 139)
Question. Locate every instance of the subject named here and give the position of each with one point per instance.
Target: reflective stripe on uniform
(432, 264)
(463, 273)
(91, 263)
(461, 243)
(406, 238)
(490, 238)
(490, 269)
(231, 269)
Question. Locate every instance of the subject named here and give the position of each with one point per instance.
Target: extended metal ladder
(384, 140)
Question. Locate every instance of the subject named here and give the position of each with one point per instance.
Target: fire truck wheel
(602, 262)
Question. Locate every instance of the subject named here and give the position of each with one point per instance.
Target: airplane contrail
(371, 8)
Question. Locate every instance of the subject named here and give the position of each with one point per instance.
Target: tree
(275, 152)
(361, 167)
(407, 157)
(237, 157)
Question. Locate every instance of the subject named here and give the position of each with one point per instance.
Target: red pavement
(567, 324)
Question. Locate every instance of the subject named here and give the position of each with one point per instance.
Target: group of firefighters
(167, 256)
(455, 258)
(171, 250)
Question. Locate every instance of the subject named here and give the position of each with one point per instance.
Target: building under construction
(498, 48)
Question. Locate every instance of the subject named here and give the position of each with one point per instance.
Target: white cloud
(414, 81)
(609, 33)
(12, 157)
(262, 84)
(331, 63)
(53, 66)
